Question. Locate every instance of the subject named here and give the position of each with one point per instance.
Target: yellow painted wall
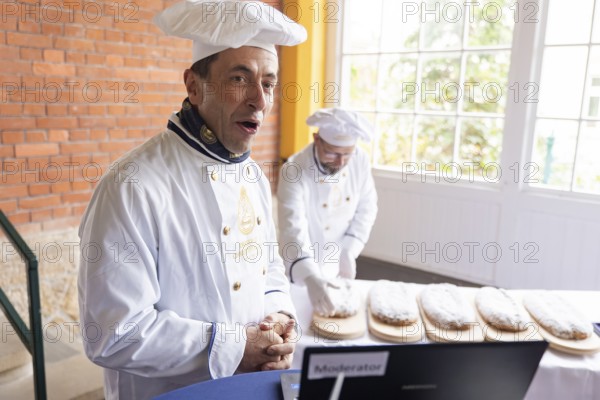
(302, 75)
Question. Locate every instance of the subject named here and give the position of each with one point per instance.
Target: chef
(327, 204)
(180, 279)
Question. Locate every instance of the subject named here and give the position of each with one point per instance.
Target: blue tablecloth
(252, 386)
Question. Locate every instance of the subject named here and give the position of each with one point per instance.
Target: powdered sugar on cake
(445, 306)
(557, 316)
(500, 310)
(392, 303)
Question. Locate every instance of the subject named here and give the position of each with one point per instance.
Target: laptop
(464, 371)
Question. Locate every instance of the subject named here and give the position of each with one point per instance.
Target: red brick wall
(82, 82)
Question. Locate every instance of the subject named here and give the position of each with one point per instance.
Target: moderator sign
(350, 364)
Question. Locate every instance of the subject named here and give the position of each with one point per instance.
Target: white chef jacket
(320, 214)
(178, 255)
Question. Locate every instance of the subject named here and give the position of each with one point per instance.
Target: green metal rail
(32, 339)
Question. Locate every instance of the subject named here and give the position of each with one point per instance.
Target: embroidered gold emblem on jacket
(246, 215)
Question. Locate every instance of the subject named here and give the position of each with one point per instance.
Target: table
(560, 376)
(257, 385)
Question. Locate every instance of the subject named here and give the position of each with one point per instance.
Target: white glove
(318, 293)
(347, 265)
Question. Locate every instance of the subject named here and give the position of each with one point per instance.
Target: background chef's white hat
(215, 26)
(340, 127)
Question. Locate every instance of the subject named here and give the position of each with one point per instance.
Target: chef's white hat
(340, 127)
(216, 25)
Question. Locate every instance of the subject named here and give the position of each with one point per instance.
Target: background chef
(327, 204)
(193, 293)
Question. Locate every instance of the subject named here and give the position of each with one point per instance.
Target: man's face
(332, 158)
(236, 97)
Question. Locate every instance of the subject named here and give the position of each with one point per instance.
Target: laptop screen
(465, 371)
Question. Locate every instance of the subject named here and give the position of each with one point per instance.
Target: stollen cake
(445, 306)
(392, 303)
(557, 316)
(500, 310)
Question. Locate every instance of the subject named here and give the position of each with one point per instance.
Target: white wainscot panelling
(453, 236)
(556, 252)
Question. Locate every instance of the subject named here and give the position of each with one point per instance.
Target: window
(433, 78)
(567, 129)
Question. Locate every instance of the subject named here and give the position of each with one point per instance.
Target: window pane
(569, 22)
(591, 104)
(439, 89)
(443, 25)
(485, 87)
(361, 25)
(397, 75)
(553, 152)
(481, 141)
(587, 168)
(493, 23)
(360, 81)
(435, 140)
(394, 139)
(561, 85)
(400, 27)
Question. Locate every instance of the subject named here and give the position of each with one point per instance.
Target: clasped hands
(270, 344)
